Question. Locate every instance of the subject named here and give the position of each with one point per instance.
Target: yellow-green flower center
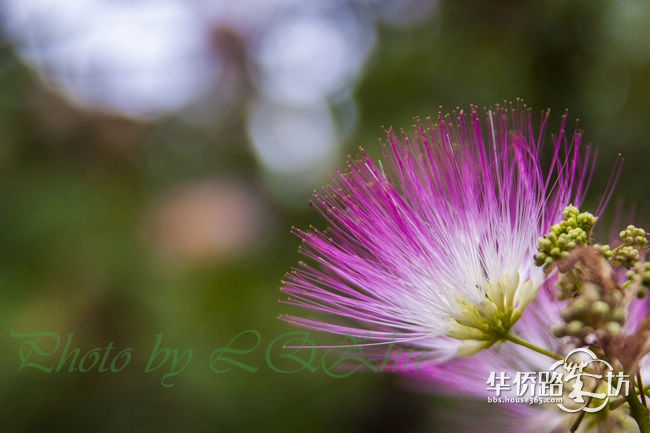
(479, 326)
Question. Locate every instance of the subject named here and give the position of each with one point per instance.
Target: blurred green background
(133, 206)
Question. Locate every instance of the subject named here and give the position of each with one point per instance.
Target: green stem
(639, 412)
(639, 380)
(520, 341)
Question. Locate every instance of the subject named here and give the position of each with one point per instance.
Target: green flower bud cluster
(604, 250)
(634, 237)
(592, 312)
(568, 285)
(628, 254)
(639, 278)
(574, 230)
(596, 307)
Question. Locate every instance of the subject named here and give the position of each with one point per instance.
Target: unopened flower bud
(618, 315)
(614, 329)
(599, 309)
(558, 330)
(574, 327)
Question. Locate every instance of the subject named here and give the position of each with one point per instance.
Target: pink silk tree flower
(433, 247)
